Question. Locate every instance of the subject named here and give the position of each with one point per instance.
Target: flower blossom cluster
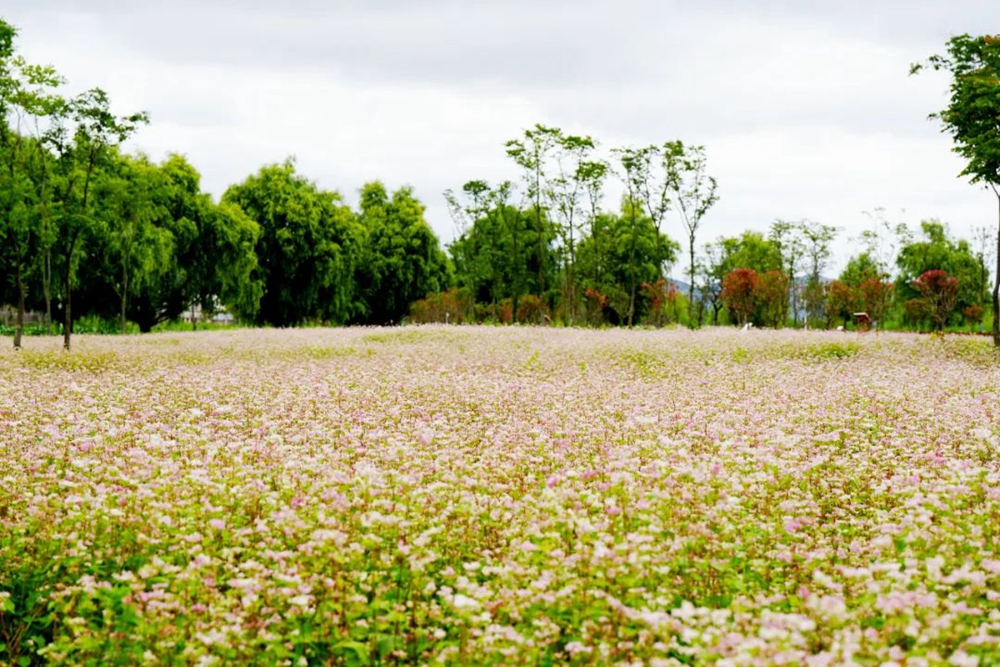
(452, 495)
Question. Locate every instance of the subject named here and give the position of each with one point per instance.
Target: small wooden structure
(862, 322)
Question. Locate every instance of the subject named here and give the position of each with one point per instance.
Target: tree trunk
(124, 293)
(19, 322)
(47, 290)
(691, 285)
(67, 314)
(996, 282)
(516, 271)
(631, 271)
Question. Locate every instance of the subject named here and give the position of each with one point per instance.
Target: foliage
(940, 292)
(842, 301)
(624, 252)
(971, 119)
(771, 297)
(449, 307)
(938, 251)
(739, 293)
(307, 248)
(402, 259)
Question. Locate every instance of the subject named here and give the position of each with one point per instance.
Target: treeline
(88, 230)
(899, 279)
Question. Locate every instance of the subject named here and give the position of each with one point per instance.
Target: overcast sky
(806, 109)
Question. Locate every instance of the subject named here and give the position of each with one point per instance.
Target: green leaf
(359, 649)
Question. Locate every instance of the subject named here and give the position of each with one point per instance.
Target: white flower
(464, 602)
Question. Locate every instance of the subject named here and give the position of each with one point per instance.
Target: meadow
(515, 496)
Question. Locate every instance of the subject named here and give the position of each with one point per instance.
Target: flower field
(508, 496)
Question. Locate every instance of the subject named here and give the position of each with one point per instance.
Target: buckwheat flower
(962, 659)
(463, 602)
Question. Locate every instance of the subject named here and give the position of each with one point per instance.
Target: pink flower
(218, 524)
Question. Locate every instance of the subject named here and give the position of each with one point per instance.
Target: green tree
(402, 261)
(938, 250)
(787, 237)
(567, 193)
(137, 243)
(28, 103)
(307, 248)
(532, 154)
(818, 242)
(204, 252)
(971, 119)
(494, 250)
(694, 193)
(84, 140)
(629, 253)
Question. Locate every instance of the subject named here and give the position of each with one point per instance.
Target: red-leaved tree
(875, 297)
(772, 297)
(841, 301)
(739, 293)
(939, 290)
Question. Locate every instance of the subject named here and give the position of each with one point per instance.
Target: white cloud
(805, 109)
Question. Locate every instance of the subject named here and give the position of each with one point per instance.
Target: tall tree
(787, 237)
(818, 241)
(694, 193)
(629, 254)
(403, 260)
(971, 120)
(631, 169)
(492, 252)
(567, 190)
(307, 248)
(84, 140)
(532, 153)
(28, 102)
(140, 246)
(593, 174)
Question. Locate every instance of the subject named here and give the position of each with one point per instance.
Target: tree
(876, 295)
(531, 154)
(402, 260)
(750, 250)
(694, 192)
(971, 120)
(739, 293)
(491, 254)
(940, 292)
(307, 249)
(771, 296)
(84, 140)
(632, 163)
(629, 254)
(593, 174)
(787, 237)
(28, 101)
(712, 270)
(818, 239)
(938, 250)
(141, 247)
(842, 300)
